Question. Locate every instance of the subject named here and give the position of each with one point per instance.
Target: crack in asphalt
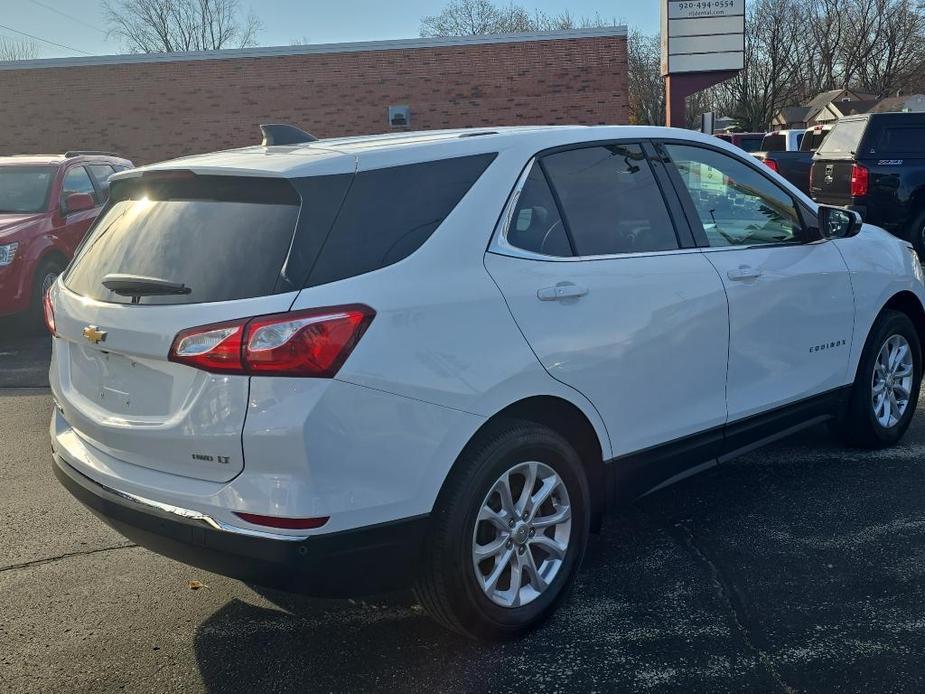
(66, 555)
(682, 533)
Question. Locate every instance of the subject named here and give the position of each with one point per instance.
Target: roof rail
(81, 152)
(479, 133)
(283, 134)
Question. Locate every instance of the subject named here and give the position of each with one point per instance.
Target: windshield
(25, 189)
(844, 138)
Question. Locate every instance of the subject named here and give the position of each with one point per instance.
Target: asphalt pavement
(796, 568)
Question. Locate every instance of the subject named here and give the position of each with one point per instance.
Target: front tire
(886, 387)
(507, 534)
(46, 274)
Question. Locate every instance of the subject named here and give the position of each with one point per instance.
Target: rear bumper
(342, 564)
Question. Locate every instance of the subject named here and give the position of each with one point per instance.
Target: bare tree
(646, 86)
(477, 17)
(474, 17)
(168, 26)
(15, 49)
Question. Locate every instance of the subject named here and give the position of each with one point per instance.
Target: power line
(69, 16)
(39, 38)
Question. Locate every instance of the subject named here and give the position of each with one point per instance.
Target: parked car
(875, 164)
(750, 142)
(792, 165)
(47, 203)
(438, 358)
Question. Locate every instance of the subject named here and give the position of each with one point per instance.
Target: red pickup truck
(47, 204)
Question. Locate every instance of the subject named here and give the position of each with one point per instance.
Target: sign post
(703, 43)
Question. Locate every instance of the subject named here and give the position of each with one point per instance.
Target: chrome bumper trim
(162, 509)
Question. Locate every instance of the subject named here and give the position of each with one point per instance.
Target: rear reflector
(313, 343)
(284, 523)
(48, 312)
(771, 164)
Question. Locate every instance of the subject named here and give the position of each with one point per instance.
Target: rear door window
(844, 139)
(389, 213)
(536, 225)
(224, 237)
(610, 200)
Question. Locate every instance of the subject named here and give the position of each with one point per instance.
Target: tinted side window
(610, 200)
(76, 180)
(535, 224)
(910, 140)
(389, 213)
(736, 205)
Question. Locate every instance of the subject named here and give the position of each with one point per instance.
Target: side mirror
(78, 202)
(838, 223)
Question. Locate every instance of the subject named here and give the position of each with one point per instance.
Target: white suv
(435, 359)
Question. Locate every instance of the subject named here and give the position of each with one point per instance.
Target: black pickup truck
(793, 165)
(875, 164)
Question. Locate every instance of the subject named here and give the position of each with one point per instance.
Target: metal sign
(702, 36)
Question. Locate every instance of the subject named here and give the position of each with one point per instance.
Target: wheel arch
(569, 421)
(908, 303)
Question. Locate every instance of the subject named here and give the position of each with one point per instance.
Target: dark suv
(875, 164)
(47, 203)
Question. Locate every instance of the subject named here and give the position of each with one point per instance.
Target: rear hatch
(834, 161)
(226, 239)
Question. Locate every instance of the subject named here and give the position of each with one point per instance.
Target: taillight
(811, 167)
(771, 164)
(860, 177)
(312, 343)
(48, 312)
(215, 348)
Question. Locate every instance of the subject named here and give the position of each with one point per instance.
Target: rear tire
(542, 542)
(886, 387)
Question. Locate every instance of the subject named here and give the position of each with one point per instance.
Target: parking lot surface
(796, 568)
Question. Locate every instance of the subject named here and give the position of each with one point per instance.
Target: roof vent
(284, 134)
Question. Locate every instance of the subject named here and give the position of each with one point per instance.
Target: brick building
(158, 106)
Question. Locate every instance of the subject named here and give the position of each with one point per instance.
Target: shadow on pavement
(802, 567)
(25, 350)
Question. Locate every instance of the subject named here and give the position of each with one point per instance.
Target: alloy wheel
(521, 534)
(891, 383)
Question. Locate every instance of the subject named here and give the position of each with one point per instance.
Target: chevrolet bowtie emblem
(94, 334)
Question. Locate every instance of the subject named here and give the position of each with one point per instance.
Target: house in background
(823, 108)
(791, 117)
(901, 103)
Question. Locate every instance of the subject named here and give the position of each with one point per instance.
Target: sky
(284, 21)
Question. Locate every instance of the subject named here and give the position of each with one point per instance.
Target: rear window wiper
(137, 286)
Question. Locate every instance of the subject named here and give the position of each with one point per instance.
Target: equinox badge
(94, 334)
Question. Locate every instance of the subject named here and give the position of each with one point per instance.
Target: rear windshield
(225, 238)
(902, 140)
(844, 138)
(774, 143)
(751, 143)
(25, 189)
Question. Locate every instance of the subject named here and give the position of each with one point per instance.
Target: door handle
(563, 290)
(744, 272)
